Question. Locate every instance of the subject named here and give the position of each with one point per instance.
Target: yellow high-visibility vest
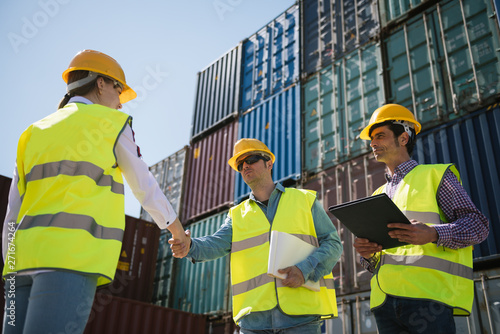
(428, 271)
(72, 213)
(253, 289)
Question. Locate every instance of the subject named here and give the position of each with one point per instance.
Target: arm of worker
(466, 225)
(144, 186)
(13, 207)
(322, 261)
(205, 248)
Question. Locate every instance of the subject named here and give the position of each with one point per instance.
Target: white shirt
(134, 169)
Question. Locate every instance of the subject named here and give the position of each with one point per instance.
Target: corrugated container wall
(209, 182)
(114, 315)
(398, 9)
(202, 287)
(217, 94)
(338, 101)
(444, 62)
(271, 59)
(169, 173)
(137, 263)
(333, 28)
(163, 275)
(471, 143)
(276, 122)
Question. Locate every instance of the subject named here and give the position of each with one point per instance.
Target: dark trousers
(413, 316)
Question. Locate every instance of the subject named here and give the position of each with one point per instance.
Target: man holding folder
(262, 303)
(419, 287)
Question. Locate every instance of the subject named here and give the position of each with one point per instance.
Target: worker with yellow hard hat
(433, 271)
(65, 220)
(261, 302)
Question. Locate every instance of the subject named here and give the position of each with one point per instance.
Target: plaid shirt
(466, 225)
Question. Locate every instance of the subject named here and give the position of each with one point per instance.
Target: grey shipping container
(202, 287)
(137, 263)
(169, 173)
(163, 274)
(444, 63)
(209, 182)
(114, 315)
(472, 143)
(333, 28)
(276, 122)
(217, 94)
(338, 101)
(271, 59)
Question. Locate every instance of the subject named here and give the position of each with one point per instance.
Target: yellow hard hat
(247, 145)
(98, 62)
(390, 112)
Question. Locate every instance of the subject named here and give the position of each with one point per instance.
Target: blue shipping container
(270, 59)
(275, 122)
(472, 143)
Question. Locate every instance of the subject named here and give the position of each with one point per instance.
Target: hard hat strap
(407, 126)
(82, 82)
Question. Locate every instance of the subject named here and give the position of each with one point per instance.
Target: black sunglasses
(250, 160)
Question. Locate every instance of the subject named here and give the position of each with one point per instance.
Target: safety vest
(255, 291)
(428, 271)
(72, 213)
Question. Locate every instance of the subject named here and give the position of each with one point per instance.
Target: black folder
(368, 218)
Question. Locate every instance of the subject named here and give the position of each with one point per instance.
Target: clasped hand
(180, 249)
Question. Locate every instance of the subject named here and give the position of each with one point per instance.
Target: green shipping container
(444, 62)
(202, 287)
(338, 101)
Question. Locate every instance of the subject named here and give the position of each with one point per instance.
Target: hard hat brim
(233, 159)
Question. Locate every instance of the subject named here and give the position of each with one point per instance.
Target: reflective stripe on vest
(75, 168)
(253, 289)
(67, 220)
(424, 271)
(72, 213)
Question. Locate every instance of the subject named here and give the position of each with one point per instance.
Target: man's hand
(417, 233)
(366, 248)
(294, 277)
(180, 249)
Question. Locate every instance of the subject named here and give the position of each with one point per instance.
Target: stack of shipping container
(306, 84)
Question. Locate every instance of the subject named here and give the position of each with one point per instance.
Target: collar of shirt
(278, 188)
(401, 170)
(80, 99)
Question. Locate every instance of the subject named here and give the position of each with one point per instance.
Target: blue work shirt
(319, 264)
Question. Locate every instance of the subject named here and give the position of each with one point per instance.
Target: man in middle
(262, 303)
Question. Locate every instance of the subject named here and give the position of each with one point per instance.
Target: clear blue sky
(160, 44)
